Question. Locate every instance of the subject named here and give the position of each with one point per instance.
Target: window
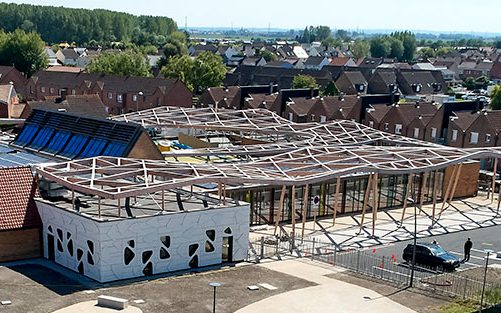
(454, 136)
(386, 126)
(119, 98)
(312, 117)
(134, 98)
(42, 89)
(416, 132)
(291, 117)
(51, 90)
(474, 138)
(323, 118)
(398, 128)
(110, 95)
(31, 90)
(371, 124)
(487, 138)
(433, 132)
(73, 92)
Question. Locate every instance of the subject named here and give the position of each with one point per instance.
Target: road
(483, 238)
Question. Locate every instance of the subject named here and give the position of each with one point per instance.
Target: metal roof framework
(261, 121)
(116, 178)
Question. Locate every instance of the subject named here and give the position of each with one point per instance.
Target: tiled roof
(17, 192)
(465, 119)
(86, 105)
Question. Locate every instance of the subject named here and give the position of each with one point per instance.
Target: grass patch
(460, 306)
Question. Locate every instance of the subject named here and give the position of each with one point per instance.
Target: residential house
(10, 75)
(52, 57)
(352, 83)
(475, 129)
(119, 94)
(254, 61)
(335, 107)
(374, 116)
(298, 110)
(260, 101)
(383, 82)
(20, 224)
(416, 82)
(300, 53)
(496, 72)
(316, 63)
(195, 50)
(85, 105)
(221, 97)
(9, 101)
(68, 57)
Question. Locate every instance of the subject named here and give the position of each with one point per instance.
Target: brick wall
(468, 180)
(20, 244)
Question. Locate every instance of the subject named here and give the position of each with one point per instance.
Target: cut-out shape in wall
(131, 243)
(49, 229)
(211, 234)
(90, 245)
(60, 234)
(59, 246)
(90, 258)
(79, 254)
(227, 231)
(70, 247)
(194, 262)
(165, 241)
(209, 247)
(81, 267)
(68, 235)
(192, 249)
(147, 256)
(128, 255)
(148, 269)
(164, 254)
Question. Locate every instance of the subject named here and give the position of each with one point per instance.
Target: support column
(376, 203)
(293, 212)
(448, 190)
(119, 207)
(305, 206)
(366, 199)
(336, 201)
(494, 178)
(163, 200)
(410, 182)
(435, 190)
(278, 216)
(99, 207)
(422, 188)
(455, 182)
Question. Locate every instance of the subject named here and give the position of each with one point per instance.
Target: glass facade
(392, 190)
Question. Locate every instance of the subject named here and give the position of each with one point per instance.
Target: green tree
(304, 81)
(25, 51)
(496, 98)
(332, 42)
(330, 90)
(360, 49)
(322, 33)
(397, 49)
(409, 42)
(267, 55)
(126, 63)
(469, 83)
(426, 53)
(380, 47)
(206, 70)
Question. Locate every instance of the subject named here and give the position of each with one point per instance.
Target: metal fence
(368, 264)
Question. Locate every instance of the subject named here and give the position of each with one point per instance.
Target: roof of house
(418, 77)
(4, 70)
(220, 93)
(85, 105)
(355, 77)
(17, 205)
(261, 100)
(6, 92)
(465, 119)
(494, 118)
(410, 111)
(301, 106)
(339, 61)
(378, 112)
(68, 69)
(72, 136)
(314, 60)
(70, 53)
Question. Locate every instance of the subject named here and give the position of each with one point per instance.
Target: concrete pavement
(329, 295)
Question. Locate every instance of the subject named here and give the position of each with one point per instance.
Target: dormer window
(436, 87)
(417, 88)
(360, 87)
(120, 98)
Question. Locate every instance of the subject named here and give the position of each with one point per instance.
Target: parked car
(433, 256)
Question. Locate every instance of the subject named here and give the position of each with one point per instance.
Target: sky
(432, 15)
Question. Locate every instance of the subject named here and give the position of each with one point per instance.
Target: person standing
(467, 249)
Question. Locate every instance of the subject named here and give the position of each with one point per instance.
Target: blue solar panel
(116, 149)
(58, 142)
(94, 148)
(5, 149)
(26, 135)
(74, 146)
(42, 138)
(6, 163)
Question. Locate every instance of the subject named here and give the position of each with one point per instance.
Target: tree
(206, 70)
(496, 98)
(25, 51)
(426, 53)
(126, 63)
(322, 33)
(343, 34)
(360, 49)
(330, 90)
(397, 49)
(304, 81)
(469, 83)
(331, 42)
(267, 55)
(409, 42)
(380, 47)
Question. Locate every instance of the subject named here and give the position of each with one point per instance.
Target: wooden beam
(305, 206)
(376, 200)
(494, 179)
(293, 211)
(410, 182)
(278, 215)
(224, 194)
(219, 190)
(366, 199)
(499, 201)
(422, 188)
(455, 182)
(448, 190)
(119, 206)
(163, 200)
(435, 191)
(336, 201)
(99, 207)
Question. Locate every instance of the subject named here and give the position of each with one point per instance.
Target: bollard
(358, 260)
(313, 250)
(262, 247)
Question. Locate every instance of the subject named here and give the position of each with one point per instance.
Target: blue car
(432, 256)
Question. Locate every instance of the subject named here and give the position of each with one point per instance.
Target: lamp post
(485, 278)
(413, 265)
(214, 285)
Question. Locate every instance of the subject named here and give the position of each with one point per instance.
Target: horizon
(438, 15)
